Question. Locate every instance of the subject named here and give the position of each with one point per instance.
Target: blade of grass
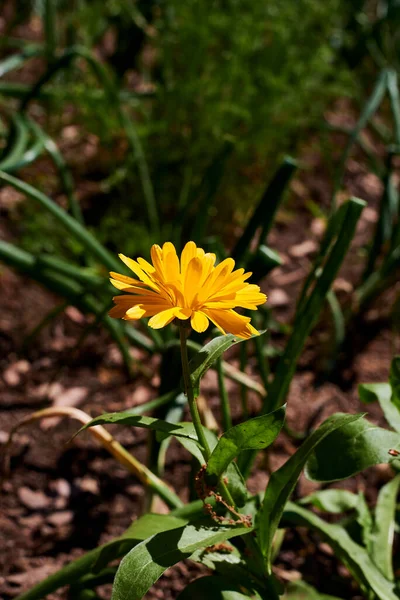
(265, 211)
(16, 144)
(387, 211)
(71, 291)
(393, 90)
(368, 111)
(307, 317)
(63, 171)
(15, 61)
(50, 32)
(71, 224)
(207, 191)
(70, 55)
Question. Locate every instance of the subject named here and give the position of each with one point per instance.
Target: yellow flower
(189, 288)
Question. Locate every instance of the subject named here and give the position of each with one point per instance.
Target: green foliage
(353, 555)
(254, 434)
(358, 446)
(143, 565)
(283, 481)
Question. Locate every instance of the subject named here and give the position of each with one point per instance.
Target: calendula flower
(189, 288)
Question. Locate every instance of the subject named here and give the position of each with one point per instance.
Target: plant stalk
(194, 411)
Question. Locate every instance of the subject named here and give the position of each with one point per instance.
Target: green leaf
(207, 355)
(264, 213)
(141, 529)
(383, 530)
(394, 379)
(332, 501)
(96, 559)
(310, 305)
(82, 234)
(338, 501)
(126, 418)
(16, 143)
(354, 556)
(283, 481)
(235, 482)
(368, 111)
(300, 590)
(143, 566)
(253, 434)
(382, 392)
(345, 452)
(213, 588)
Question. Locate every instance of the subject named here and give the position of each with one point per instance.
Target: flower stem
(190, 396)
(225, 408)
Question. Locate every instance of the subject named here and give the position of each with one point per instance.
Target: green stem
(243, 388)
(225, 408)
(190, 396)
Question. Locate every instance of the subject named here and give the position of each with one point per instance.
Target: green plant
(243, 567)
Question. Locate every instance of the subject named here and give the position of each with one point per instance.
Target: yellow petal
(170, 262)
(166, 316)
(192, 279)
(136, 268)
(136, 312)
(146, 266)
(230, 321)
(189, 252)
(132, 289)
(125, 279)
(199, 321)
(156, 258)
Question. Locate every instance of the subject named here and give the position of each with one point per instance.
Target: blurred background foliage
(131, 122)
(229, 81)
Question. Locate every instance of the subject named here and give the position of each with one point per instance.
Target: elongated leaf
(383, 530)
(141, 568)
(154, 404)
(74, 227)
(300, 590)
(73, 292)
(283, 481)
(393, 90)
(332, 501)
(207, 355)
(369, 110)
(312, 306)
(111, 92)
(265, 212)
(141, 529)
(126, 418)
(96, 559)
(17, 142)
(382, 392)
(208, 189)
(394, 379)
(355, 447)
(254, 434)
(234, 480)
(262, 262)
(354, 556)
(338, 501)
(15, 61)
(213, 588)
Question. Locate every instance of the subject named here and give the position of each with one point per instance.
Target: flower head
(189, 288)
